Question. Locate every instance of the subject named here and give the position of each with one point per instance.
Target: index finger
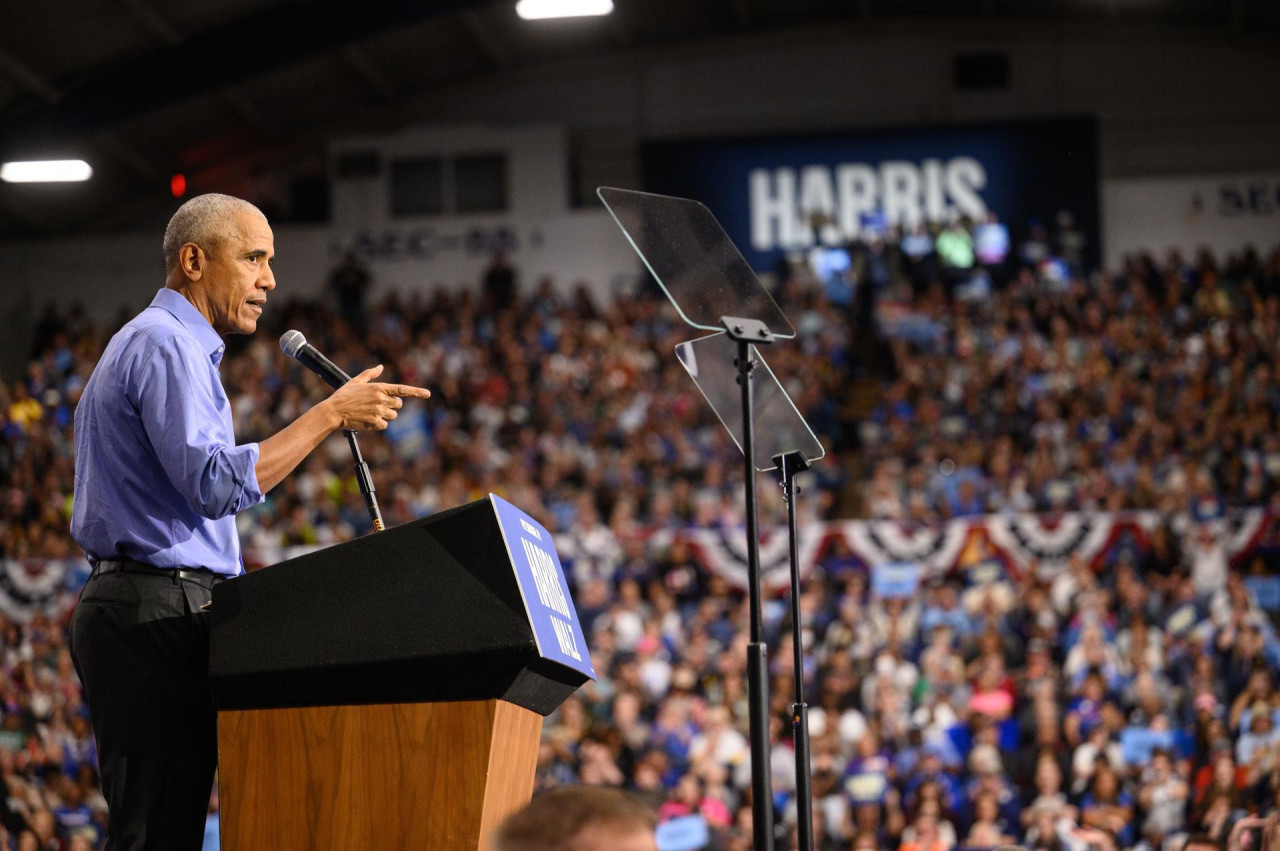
(405, 390)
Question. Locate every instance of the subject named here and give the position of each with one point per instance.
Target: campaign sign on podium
(552, 616)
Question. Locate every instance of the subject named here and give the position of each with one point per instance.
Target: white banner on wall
(1223, 213)
(581, 247)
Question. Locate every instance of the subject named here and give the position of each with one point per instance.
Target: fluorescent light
(45, 171)
(534, 10)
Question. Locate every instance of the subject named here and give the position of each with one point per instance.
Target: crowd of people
(1111, 708)
(50, 797)
(1051, 391)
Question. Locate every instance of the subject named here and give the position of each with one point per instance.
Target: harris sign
(784, 193)
(543, 588)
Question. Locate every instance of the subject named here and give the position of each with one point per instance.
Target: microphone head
(291, 342)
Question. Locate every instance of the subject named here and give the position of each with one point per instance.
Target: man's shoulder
(153, 340)
(150, 329)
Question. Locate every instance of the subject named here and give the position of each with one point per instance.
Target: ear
(191, 260)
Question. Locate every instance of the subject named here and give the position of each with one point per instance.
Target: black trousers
(140, 644)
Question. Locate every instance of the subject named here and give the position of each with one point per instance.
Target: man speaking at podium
(159, 480)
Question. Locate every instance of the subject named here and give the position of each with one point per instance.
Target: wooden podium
(388, 693)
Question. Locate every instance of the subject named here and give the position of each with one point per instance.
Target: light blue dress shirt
(159, 478)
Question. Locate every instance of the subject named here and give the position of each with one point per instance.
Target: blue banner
(1137, 743)
(784, 193)
(688, 833)
(542, 586)
(895, 580)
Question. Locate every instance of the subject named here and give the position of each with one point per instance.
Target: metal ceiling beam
(149, 18)
(357, 61)
(27, 77)
(199, 64)
(243, 106)
(109, 143)
(488, 43)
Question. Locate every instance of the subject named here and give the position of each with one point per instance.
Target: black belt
(199, 575)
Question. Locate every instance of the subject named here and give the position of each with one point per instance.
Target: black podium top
(427, 611)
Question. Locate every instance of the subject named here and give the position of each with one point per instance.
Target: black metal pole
(789, 464)
(366, 482)
(757, 667)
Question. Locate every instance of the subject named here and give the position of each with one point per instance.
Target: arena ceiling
(144, 89)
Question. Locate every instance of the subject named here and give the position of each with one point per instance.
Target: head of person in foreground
(579, 818)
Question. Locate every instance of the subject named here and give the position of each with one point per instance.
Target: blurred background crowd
(1126, 703)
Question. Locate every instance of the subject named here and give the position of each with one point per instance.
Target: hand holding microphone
(358, 403)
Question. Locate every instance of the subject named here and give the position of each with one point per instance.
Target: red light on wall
(178, 185)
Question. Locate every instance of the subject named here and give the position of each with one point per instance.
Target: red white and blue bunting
(1017, 542)
(935, 548)
(32, 585)
(1011, 544)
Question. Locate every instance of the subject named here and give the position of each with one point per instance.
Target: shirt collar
(174, 303)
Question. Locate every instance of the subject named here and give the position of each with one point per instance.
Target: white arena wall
(1223, 212)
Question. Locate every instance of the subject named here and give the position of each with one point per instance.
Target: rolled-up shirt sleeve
(171, 385)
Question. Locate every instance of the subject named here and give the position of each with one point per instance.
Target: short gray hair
(205, 221)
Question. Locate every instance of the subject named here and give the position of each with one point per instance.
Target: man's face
(238, 276)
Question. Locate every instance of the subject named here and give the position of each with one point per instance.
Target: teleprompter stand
(712, 288)
(746, 332)
(774, 430)
(789, 464)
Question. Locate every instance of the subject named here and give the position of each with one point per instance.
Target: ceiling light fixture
(536, 10)
(45, 171)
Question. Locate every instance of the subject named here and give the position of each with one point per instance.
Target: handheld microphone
(293, 344)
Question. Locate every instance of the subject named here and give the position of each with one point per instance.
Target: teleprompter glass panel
(693, 259)
(779, 427)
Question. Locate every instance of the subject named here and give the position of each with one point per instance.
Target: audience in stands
(1127, 706)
